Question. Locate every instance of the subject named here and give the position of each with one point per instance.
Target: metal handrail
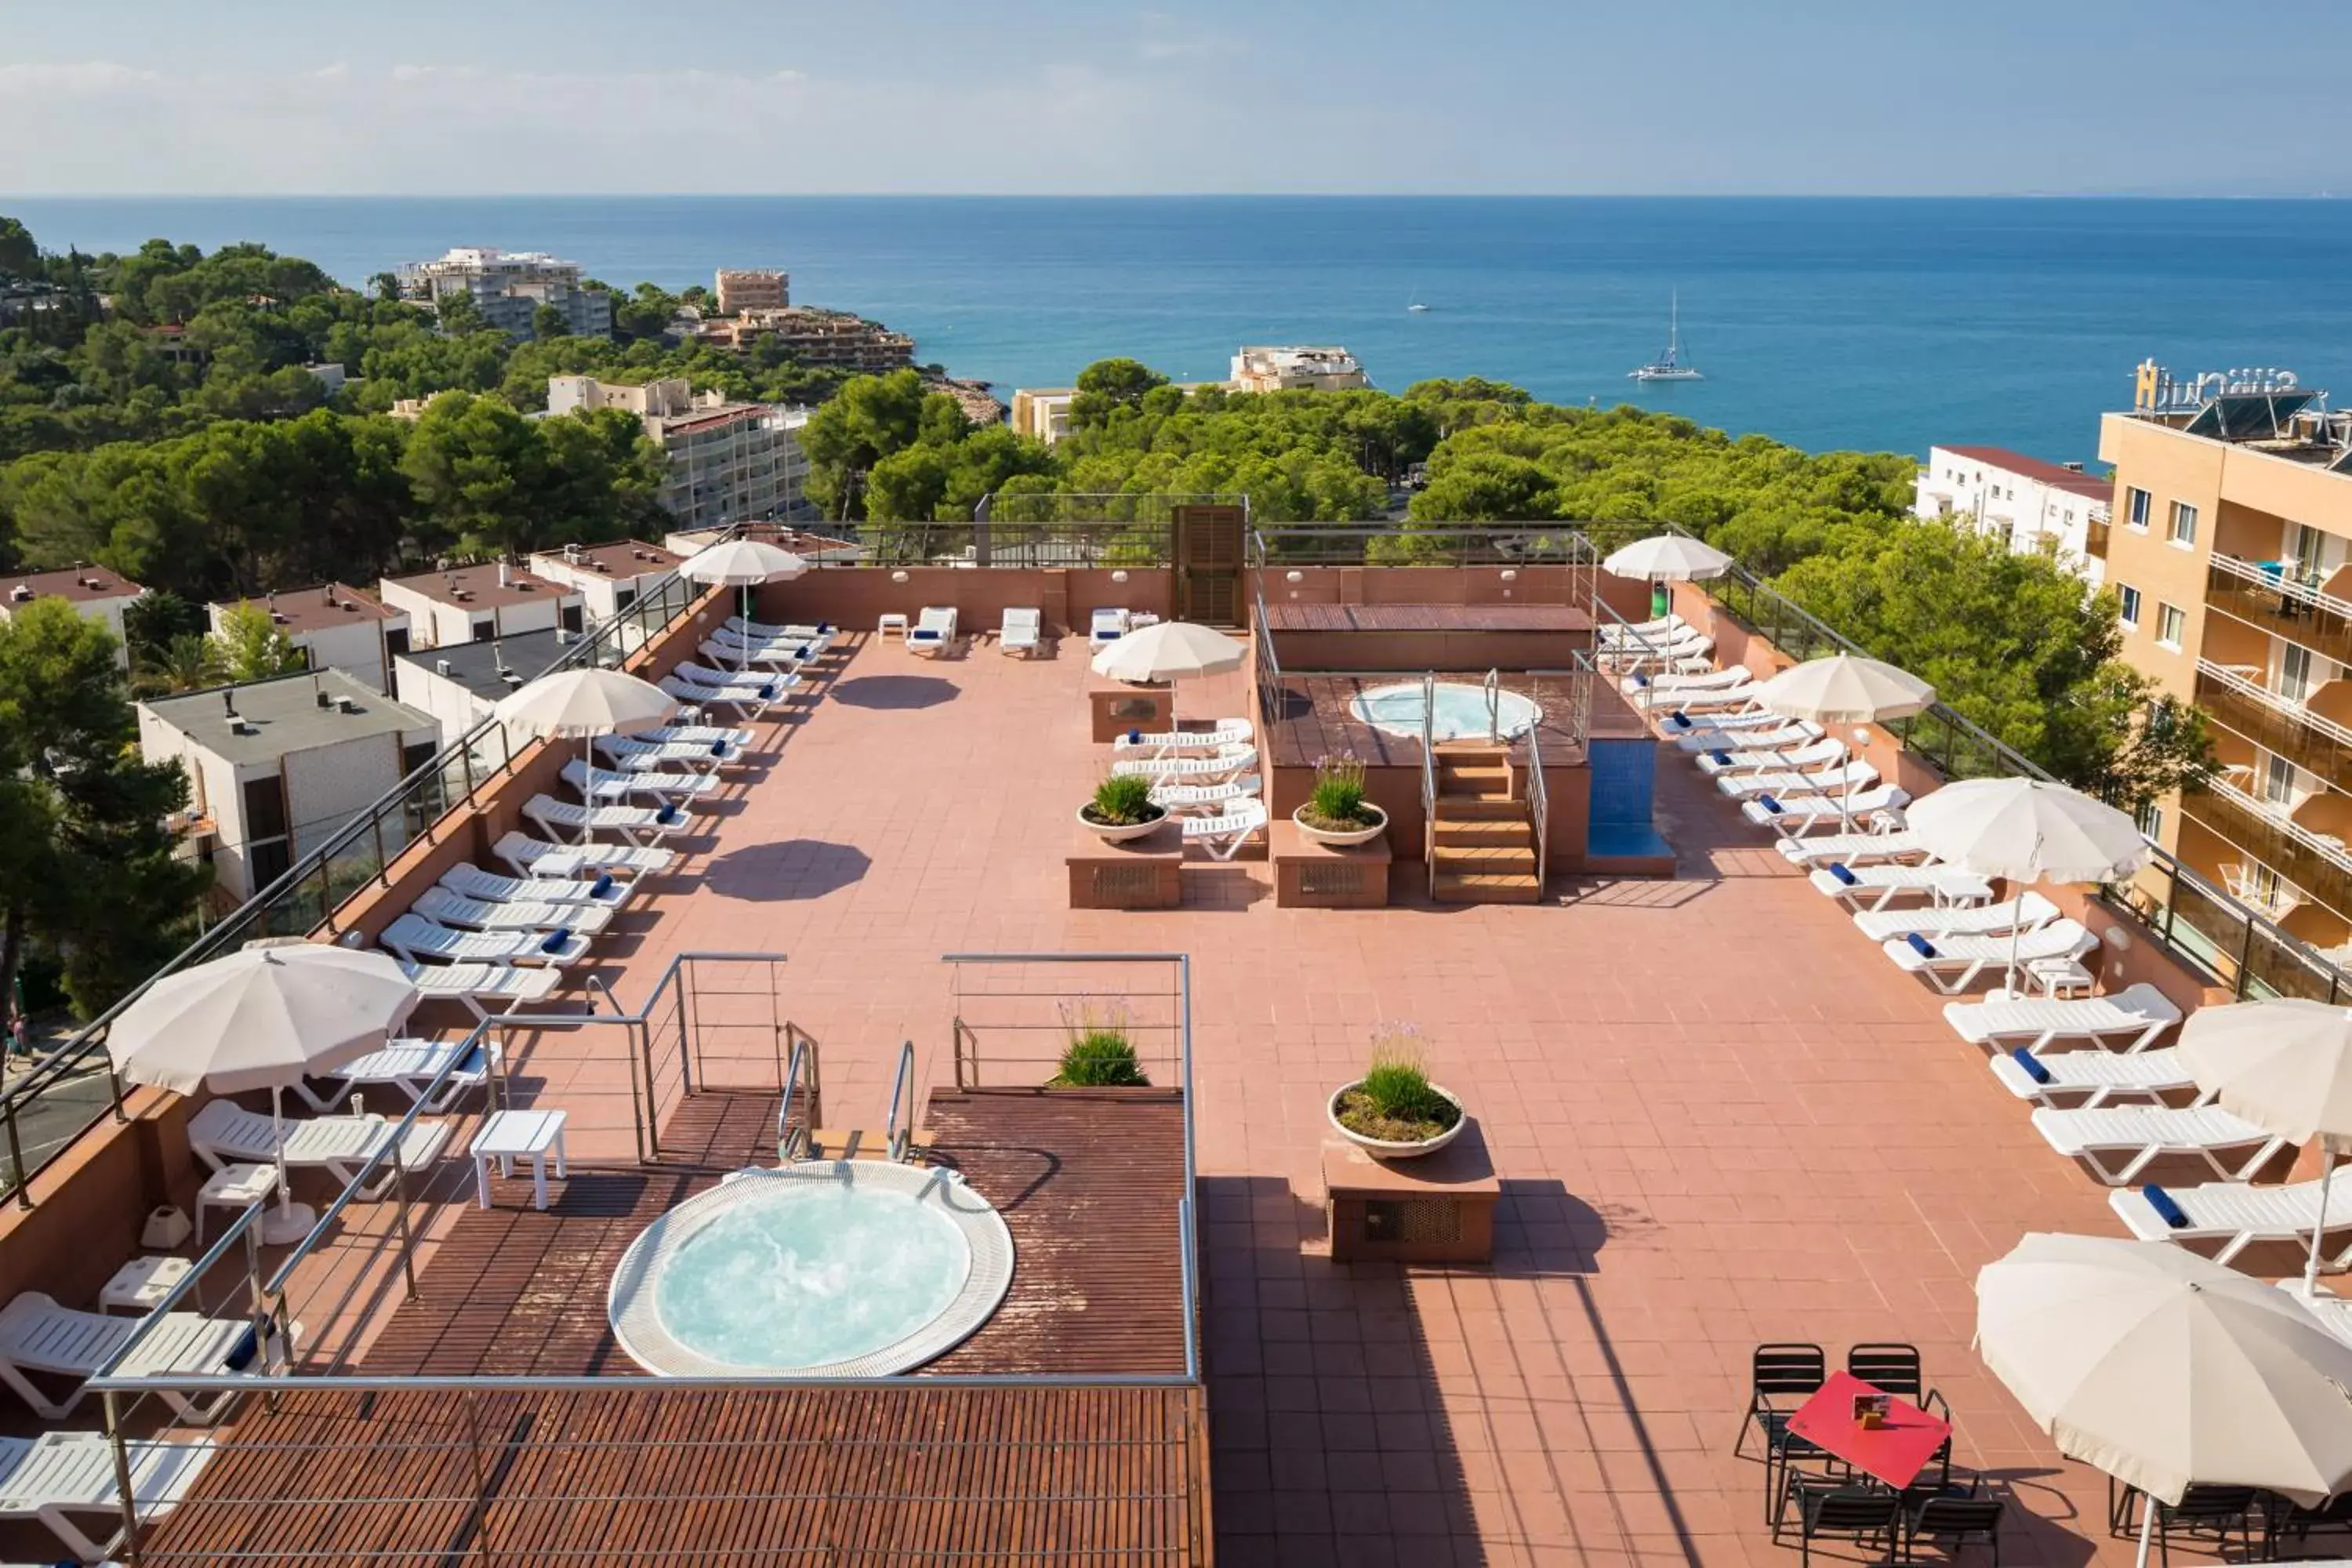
(792, 1142)
(1429, 771)
(2277, 702)
(2281, 583)
(2274, 813)
(1540, 802)
(901, 1081)
(1492, 687)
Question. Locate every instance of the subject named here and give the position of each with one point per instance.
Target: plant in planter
(1100, 1055)
(1337, 813)
(1121, 808)
(1393, 1110)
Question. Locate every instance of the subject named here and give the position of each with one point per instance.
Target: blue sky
(1050, 96)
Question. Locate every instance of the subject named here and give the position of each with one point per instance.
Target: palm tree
(186, 663)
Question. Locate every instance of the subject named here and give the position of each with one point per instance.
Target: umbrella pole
(2319, 1227)
(277, 1131)
(588, 796)
(2147, 1528)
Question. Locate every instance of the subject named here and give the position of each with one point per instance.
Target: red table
(1895, 1453)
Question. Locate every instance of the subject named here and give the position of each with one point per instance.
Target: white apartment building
(2027, 503)
(277, 768)
(98, 594)
(337, 627)
(1295, 367)
(509, 288)
(458, 685)
(727, 461)
(742, 289)
(1043, 413)
(475, 603)
(610, 578)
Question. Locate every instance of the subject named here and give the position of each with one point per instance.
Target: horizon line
(1176, 195)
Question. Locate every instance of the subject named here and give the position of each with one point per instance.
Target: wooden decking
(1289, 617)
(1315, 721)
(862, 1473)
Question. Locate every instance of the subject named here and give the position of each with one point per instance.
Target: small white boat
(1414, 304)
(1668, 366)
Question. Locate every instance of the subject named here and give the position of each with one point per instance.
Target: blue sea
(1825, 323)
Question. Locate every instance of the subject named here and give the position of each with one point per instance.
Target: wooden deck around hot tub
(1427, 636)
(1289, 617)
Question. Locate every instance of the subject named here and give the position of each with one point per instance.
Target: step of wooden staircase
(1484, 839)
(862, 1143)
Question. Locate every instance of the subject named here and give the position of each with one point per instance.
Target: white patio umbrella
(742, 563)
(2164, 1369)
(1169, 651)
(262, 1019)
(2027, 830)
(1845, 690)
(2286, 1067)
(1666, 558)
(586, 702)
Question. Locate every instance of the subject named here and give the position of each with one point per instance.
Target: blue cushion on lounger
(240, 1354)
(802, 652)
(1769, 804)
(1722, 759)
(1679, 720)
(767, 692)
(600, 886)
(1108, 636)
(474, 1060)
(1838, 869)
(557, 940)
(1641, 682)
(717, 748)
(1921, 945)
(2023, 1057)
(668, 814)
(822, 627)
(2167, 1208)
(1135, 737)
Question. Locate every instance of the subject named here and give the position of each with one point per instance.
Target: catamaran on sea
(1668, 366)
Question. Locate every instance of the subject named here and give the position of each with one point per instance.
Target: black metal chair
(1779, 1371)
(1888, 1366)
(2285, 1521)
(1840, 1512)
(1952, 1520)
(2210, 1516)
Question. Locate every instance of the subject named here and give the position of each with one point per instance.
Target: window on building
(2137, 508)
(486, 628)
(2171, 625)
(2295, 673)
(2150, 818)
(573, 617)
(2128, 597)
(2278, 780)
(264, 863)
(395, 641)
(2183, 528)
(267, 849)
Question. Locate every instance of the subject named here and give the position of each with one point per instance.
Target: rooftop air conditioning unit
(22, 593)
(348, 704)
(441, 667)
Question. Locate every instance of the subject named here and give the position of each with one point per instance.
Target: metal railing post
(400, 1219)
(383, 863)
(16, 1157)
(123, 1491)
(481, 1480)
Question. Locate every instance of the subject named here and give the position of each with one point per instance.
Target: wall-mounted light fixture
(1120, 576)
(899, 575)
(1294, 577)
(1510, 574)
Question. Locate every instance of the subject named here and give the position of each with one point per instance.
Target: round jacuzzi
(1460, 711)
(827, 1269)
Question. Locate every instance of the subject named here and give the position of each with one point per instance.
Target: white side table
(140, 1285)
(892, 622)
(237, 1187)
(511, 1135)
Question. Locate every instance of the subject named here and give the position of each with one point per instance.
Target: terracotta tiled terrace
(1720, 1117)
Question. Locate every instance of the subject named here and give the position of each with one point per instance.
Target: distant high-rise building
(510, 287)
(1294, 368)
(729, 462)
(833, 340)
(742, 289)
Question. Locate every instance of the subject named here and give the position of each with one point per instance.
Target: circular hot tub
(1460, 712)
(827, 1269)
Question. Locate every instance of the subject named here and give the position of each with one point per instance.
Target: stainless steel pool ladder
(792, 1142)
(1494, 688)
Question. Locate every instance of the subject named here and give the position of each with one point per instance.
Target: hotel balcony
(2269, 597)
(2094, 541)
(2318, 864)
(2277, 723)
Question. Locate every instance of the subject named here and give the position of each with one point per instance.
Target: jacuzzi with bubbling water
(823, 1269)
(1459, 712)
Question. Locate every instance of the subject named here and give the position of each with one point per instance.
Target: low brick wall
(1067, 597)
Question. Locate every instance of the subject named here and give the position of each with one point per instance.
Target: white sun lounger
(1763, 756)
(2239, 1213)
(1194, 796)
(1688, 652)
(767, 656)
(1801, 816)
(1698, 680)
(418, 939)
(1857, 776)
(470, 881)
(2130, 1019)
(1629, 631)
(733, 742)
(1764, 731)
(617, 786)
(1218, 764)
(224, 1134)
(1952, 963)
(1225, 732)
(2091, 1079)
(934, 629)
(633, 823)
(1725, 699)
(2028, 911)
(626, 753)
(37, 1335)
(762, 631)
(772, 687)
(509, 914)
(1106, 627)
(2139, 1136)
(51, 1478)
(478, 984)
(409, 1066)
(807, 643)
(1023, 631)
(1223, 835)
(1876, 886)
(751, 699)
(539, 860)
(1880, 843)
(1706, 730)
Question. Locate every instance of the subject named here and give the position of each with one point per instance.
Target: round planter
(1381, 1148)
(1355, 835)
(1110, 834)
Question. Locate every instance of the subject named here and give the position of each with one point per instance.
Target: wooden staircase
(1482, 840)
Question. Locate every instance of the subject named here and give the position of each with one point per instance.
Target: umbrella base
(285, 1224)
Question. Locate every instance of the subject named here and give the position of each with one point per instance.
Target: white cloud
(73, 78)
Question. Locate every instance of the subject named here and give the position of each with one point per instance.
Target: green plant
(1338, 798)
(1123, 800)
(1394, 1100)
(1100, 1055)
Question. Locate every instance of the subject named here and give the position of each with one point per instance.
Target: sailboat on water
(1412, 303)
(1669, 367)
